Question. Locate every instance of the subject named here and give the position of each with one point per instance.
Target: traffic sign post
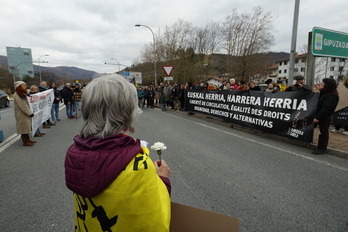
(168, 70)
(326, 42)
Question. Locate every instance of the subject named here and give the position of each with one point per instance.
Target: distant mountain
(273, 57)
(72, 73)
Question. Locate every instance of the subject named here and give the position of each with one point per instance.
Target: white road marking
(268, 145)
(13, 138)
(277, 148)
(9, 141)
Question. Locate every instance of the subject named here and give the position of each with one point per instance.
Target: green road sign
(330, 43)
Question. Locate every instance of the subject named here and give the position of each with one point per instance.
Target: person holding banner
(253, 86)
(272, 88)
(55, 104)
(234, 86)
(241, 85)
(116, 185)
(298, 86)
(43, 87)
(33, 90)
(327, 103)
(23, 114)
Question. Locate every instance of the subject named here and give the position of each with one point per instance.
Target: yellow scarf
(137, 200)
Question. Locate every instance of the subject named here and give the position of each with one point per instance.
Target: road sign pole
(310, 63)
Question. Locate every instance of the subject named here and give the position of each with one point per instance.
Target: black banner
(340, 117)
(288, 114)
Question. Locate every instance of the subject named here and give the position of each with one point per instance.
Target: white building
(325, 67)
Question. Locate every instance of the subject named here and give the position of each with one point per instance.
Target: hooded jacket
(116, 186)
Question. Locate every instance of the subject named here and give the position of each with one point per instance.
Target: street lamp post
(40, 66)
(118, 63)
(154, 48)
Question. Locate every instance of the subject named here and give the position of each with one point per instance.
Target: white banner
(40, 104)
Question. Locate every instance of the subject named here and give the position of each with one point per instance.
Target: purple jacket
(92, 164)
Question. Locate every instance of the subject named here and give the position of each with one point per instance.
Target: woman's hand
(162, 168)
(315, 120)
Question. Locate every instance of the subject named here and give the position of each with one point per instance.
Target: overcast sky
(87, 33)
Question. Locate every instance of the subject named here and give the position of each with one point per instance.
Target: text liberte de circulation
(284, 103)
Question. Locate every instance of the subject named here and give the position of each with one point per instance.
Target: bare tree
(244, 36)
(207, 42)
(190, 48)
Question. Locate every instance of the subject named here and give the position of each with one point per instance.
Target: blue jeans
(55, 112)
(69, 110)
(78, 108)
(141, 103)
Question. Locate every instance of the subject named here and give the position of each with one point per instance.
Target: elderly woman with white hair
(116, 185)
(23, 113)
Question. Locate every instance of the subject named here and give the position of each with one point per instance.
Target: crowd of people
(167, 96)
(164, 95)
(172, 96)
(70, 95)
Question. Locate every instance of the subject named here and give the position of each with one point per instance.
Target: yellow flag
(137, 200)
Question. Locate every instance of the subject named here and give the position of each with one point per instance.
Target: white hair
(109, 106)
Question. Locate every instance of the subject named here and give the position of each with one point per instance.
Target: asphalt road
(270, 185)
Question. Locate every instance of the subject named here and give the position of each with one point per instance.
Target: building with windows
(325, 67)
(20, 62)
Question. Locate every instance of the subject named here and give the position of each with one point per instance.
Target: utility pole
(293, 43)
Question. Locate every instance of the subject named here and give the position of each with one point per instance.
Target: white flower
(158, 146)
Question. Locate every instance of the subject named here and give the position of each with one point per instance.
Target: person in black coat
(327, 103)
(298, 86)
(67, 95)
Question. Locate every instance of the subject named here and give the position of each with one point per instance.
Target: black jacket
(56, 95)
(326, 105)
(298, 88)
(67, 95)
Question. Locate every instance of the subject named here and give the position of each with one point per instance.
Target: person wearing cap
(23, 113)
(298, 86)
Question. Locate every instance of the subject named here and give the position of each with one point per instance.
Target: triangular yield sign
(168, 70)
